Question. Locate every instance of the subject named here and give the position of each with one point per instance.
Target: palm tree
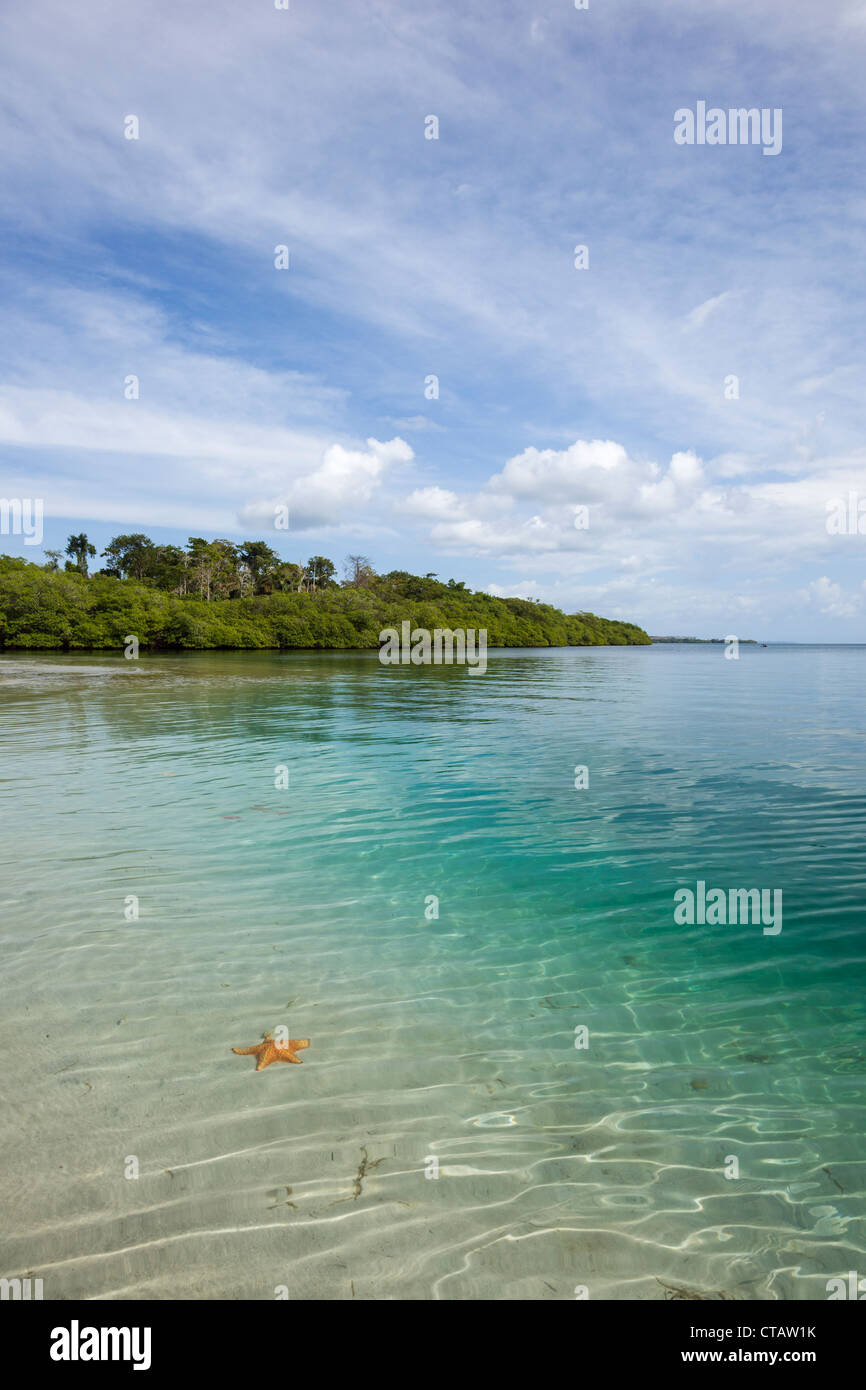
(78, 548)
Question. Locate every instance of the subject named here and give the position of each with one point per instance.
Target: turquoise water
(442, 1040)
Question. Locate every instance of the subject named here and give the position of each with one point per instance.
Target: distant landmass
(744, 641)
(214, 594)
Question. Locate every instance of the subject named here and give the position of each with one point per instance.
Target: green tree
(130, 557)
(79, 549)
(287, 577)
(204, 560)
(319, 572)
(193, 600)
(227, 580)
(170, 569)
(260, 561)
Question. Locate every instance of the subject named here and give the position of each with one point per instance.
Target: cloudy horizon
(652, 428)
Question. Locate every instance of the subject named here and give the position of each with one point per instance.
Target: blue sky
(559, 388)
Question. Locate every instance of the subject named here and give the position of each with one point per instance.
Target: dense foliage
(217, 598)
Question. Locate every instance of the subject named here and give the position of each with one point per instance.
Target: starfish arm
(271, 1051)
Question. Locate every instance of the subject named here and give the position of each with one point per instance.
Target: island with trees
(216, 593)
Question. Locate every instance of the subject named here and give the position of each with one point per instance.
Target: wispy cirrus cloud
(452, 257)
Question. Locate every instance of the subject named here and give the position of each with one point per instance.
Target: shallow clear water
(450, 1038)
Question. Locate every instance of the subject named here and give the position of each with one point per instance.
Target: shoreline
(156, 651)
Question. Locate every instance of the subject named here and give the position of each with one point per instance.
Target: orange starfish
(271, 1051)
